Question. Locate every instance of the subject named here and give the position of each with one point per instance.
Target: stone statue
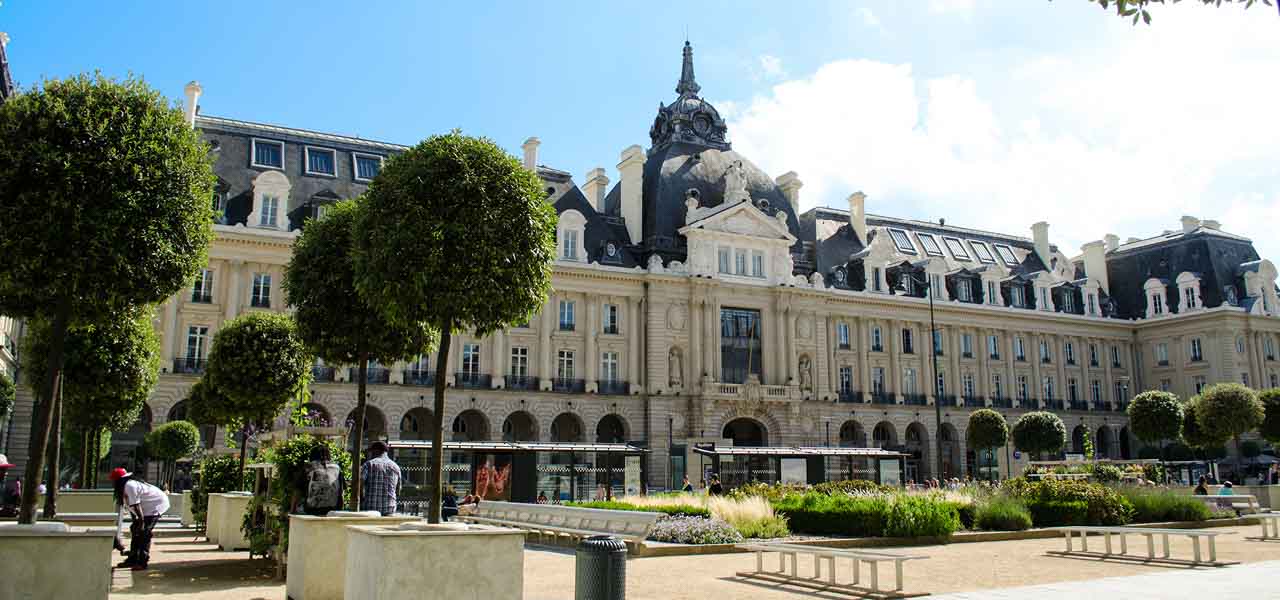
(735, 183)
(673, 367)
(806, 374)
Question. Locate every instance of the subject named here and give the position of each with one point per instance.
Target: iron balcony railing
(1053, 404)
(189, 365)
(260, 302)
(1002, 402)
(472, 380)
(974, 402)
(520, 382)
(915, 399)
(321, 373)
(611, 387)
(375, 375)
(848, 396)
(419, 377)
(882, 398)
(568, 386)
(199, 298)
(1079, 404)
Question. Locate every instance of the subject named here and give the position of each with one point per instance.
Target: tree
(987, 430)
(1250, 449)
(334, 321)
(1137, 9)
(8, 392)
(1155, 416)
(170, 442)
(104, 205)
(109, 371)
(1270, 428)
(1227, 410)
(256, 365)
(89, 449)
(457, 234)
(1039, 432)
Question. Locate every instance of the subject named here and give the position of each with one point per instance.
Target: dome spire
(687, 82)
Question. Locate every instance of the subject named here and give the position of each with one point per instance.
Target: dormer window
(1189, 292)
(902, 242)
(365, 166)
(571, 231)
(982, 252)
(268, 154)
(964, 290)
(321, 161)
(1157, 304)
(569, 245)
(1092, 303)
(930, 244)
(1006, 255)
(1068, 302)
(1189, 298)
(1018, 296)
(957, 249)
(267, 212)
(724, 260)
(992, 296)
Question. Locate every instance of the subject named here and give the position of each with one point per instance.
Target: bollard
(602, 569)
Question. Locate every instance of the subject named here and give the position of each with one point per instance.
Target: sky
(992, 114)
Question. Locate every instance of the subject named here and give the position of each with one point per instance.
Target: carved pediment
(741, 219)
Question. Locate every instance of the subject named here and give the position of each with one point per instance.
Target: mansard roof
(293, 134)
(1216, 255)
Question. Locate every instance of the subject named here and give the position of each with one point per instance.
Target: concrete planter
(51, 560)
(184, 513)
(88, 501)
(446, 561)
(226, 514)
(318, 553)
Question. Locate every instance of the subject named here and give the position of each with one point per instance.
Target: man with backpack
(320, 486)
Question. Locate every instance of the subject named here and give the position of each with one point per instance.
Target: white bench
(1270, 526)
(821, 553)
(1106, 533)
(1237, 502)
(567, 521)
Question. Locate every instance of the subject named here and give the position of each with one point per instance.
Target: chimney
(1112, 240)
(193, 91)
(790, 185)
(631, 174)
(858, 215)
(1132, 240)
(530, 147)
(1211, 224)
(594, 188)
(1095, 263)
(1040, 234)
(1189, 223)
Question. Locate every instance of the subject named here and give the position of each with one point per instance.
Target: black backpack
(323, 487)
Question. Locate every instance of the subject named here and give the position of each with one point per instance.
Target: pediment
(740, 219)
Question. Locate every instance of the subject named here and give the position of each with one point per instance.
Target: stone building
(694, 301)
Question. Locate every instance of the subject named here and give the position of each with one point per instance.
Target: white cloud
(768, 67)
(1124, 139)
(950, 6)
(869, 18)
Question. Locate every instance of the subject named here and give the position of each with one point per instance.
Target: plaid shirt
(379, 482)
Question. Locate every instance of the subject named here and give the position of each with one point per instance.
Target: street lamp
(933, 351)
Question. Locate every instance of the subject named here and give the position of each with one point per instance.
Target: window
(1244, 379)
(956, 248)
(1166, 385)
(966, 345)
(1018, 296)
(1073, 393)
(1048, 388)
(1121, 393)
(964, 290)
(1093, 305)
(982, 252)
(267, 214)
(877, 381)
(566, 315)
(902, 242)
(740, 262)
(908, 283)
(1006, 255)
(1157, 304)
(610, 318)
(846, 379)
(1199, 382)
(197, 341)
(877, 340)
(997, 386)
(907, 346)
(1115, 357)
(970, 390)
(1093, 355)
(930, 244)
(1069, 302)
(519, 361)
(724, 261)
(564, 365)
(471, 360)
(1189, 296)
(366, 166)
(202, 290)
(757, 264)
(1042, 297)
(937, 343)
(569, 244)
(991, 292)
(936, 287)
(1044, 351)
(1240, 345)
(909, 381)
(1269, 348)
(875, 279)
(1197, 351)
(1069, 351)
(1019, 349)
(842, 335)
(609, 366)
(321, 161)
(1095, 392)
(267, 153)
(993, 347)
(261, 293)
(1023, 390)
(1275, 380)
(219, 204)
(940, 384)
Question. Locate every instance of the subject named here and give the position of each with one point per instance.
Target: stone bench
(819, 553)
(1106, 532)
(1238, 502)
(1270, 526)
(549, 520)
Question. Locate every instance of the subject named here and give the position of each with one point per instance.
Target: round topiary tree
(987, 430)
(454, 233)
(334, 321)
(1227, 410)
(1039, 432)
(1155, 417)
(1270, 428)
(170, 442)
(104, 205)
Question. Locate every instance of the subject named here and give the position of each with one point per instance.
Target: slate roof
(293, 134)
(1218, 257)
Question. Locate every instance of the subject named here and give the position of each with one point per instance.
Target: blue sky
(992, 114)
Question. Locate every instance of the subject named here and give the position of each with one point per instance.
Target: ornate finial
(687, 83)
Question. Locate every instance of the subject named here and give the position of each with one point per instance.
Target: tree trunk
(1239, 462)
(43, 421)
(55, 462)
(357, 428)
(437, 425)
(95, 438)
(244, 445)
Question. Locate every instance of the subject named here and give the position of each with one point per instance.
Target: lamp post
(828, 422)
(933, 351)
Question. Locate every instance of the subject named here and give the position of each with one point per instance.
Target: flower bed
(750, 517)
(694, 530)
(1163, 505)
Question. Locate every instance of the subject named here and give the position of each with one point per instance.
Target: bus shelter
(521, 471)
(739, 465)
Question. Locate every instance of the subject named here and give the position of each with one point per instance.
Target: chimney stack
(1040, 234)
(1189, 223)
(594, 188)
(1095, 263)
(790, 185)
(1211, 224)
(858, 215)
(193, 91)
(530, 148)
(1112, 240)
(631, 181)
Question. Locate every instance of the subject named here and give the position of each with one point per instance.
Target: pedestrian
(10, 491)
(715, 489)
(686, 486)
(1201, 489)
(319, 485)
(145, 503)
(379, 481)
(1226, 489)
(449, 508)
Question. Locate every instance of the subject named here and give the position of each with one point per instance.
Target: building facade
(694, 301)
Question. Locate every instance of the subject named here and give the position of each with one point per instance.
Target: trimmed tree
(256, 365)
(455, 233)
(104, 205)
(1227, 410)
(170, 442)
(1270, 428)
(1039, 432)
(334, 321)
(1136, 10)
(1155, 417)
(987, 430)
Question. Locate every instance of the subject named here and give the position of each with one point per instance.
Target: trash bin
(602, 569)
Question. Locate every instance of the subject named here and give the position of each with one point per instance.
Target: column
(822, 360)
(713, 338)
(982, 387)
(695, 357)
(235, 295)
(593, 357)
(864, 358)
(955, 385)
(1060, 355)
(632, 326)
(497, 365)
(1010, 382)
(778, 357)
(1104, 357)
(1037, 386)
(789, 322)
(544, 342)
(892, 379)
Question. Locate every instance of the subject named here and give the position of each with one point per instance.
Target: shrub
(217, 474)
(859, 516)
(1057, 513)
(853, 486)
(767, 491)
(1159, 506)
(694, 530)
(917, 516)
(966, 511)
(770, 527)
(1107, 473)
(1103, 505)
(682, 510)
(752, 516)
(1002, 514)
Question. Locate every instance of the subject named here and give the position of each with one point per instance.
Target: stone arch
(1126, 444)
(567, 427)
(470, 426)
(884, 434)
(952, 457)
(746, 431)
(918, 442)
(574, 221)
(314, 413)
(853, 435)
(611, 429)
(375, 426)
(520, 426)
(415, 425)
(758, 414)
(126, 446)
(1105, 444)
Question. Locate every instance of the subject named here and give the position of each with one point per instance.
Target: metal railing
(376, 375)
(520, 382)
(975, 402)
(611, 387)
(321, 373)
(472, 380)
(1079, 404)
(202, 298)
(1052, 404)
(882, 398)
(1002, 402)
(568, 386)
(419, 377)
(915, 399)
(848, 396)
(189, 365)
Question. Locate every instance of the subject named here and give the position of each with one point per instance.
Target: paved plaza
(186, 569)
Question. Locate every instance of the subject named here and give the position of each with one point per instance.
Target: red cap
(117, 473)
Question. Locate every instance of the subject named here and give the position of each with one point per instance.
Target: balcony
(1004, 402)
(843, 346)
(189, 365)
(1162, 363)
(472, 380)
(1079, 405)
(611, 387)
(568, 386)
(322, 374)
(260, 302)
(964, 355)
(882, 398)
(915, 399)
(613, 330)
(520, 382)
(877, 348)
(419, 377)
(848, 396)
(974, 402)
(995, 356)
(200, 298)
(566, 326)
(374, 375)
(1052, 404)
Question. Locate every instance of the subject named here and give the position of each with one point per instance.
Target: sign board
(631, 476)
(1075, 457)
(890, 472)
(795, 470)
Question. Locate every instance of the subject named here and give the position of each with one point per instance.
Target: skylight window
(983, 253)
(1006, 254)
(901, 240)
(930, 244)
(956, 248)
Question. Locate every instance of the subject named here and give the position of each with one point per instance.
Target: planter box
(50, 560)
(88, 501)
(448, 561)
(188, 520)
(318, 553)
(226, 514)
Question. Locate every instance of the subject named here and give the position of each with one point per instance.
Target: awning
(799, 451)
(519, 447)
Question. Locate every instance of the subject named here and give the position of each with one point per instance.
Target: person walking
(1201, 489)
(715, 489)
(379, 481)
(320, 486)
(146, 503)
(686, 487)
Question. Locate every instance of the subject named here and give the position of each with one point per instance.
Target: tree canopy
(173, 440)
(1039, 432)
(1227, 410)
(8, 392)
(987, 429)
(1137, 9)
(1195, 436)
(1155, 416)
(1270, 428)
(257, 363)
